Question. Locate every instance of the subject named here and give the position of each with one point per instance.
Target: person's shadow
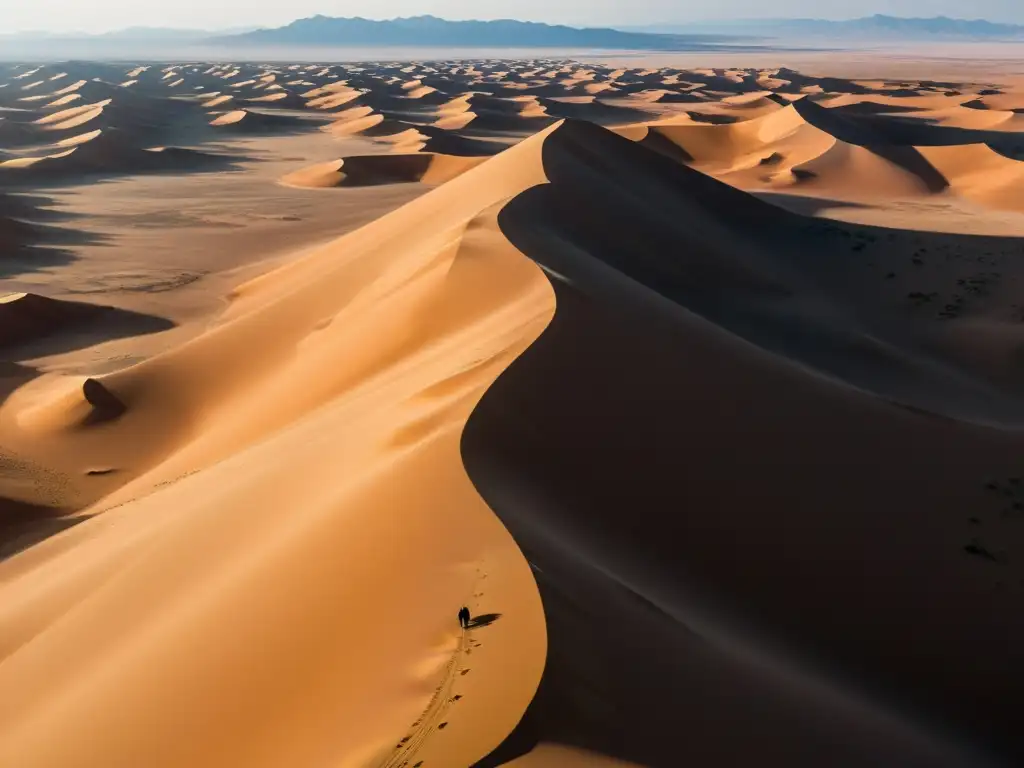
(483, 620)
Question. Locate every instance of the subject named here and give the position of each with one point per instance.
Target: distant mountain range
(878, 27)
(358, 34)
(423, 31)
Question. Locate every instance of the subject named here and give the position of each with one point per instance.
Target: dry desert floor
(702, 388)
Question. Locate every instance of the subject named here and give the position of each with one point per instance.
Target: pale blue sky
(104, 15)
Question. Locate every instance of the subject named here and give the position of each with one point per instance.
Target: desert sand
(699, 385)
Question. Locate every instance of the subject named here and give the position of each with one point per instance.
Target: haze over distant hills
(330, 36)
(128, 33)
(877, 27)
(433, 31)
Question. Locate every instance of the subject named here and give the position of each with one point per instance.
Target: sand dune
(811, 149)
(426, 138)
(72, 117)
(105, 151)
(64, 100)
(217, 100)
(355, 122)
(895, 172)
(592, 109)
(542, 392)
(334, 100)
(474, 121)
(395, 104)
(971, 119)
(351, 114)
(721, 483)
(457, 353)
(979, 173)
(27, 317)
(278, 100)
(661, 96)
(779, 139)
(483, 113)
(368, 170)
(402, 102)
(409, 137)
(247, 121)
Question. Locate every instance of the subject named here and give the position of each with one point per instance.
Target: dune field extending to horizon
(703, 390)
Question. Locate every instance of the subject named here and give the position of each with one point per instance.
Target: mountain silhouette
(433, 31)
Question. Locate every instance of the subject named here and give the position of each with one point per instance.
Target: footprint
(442, 726)
(464, 672)
(457, 697)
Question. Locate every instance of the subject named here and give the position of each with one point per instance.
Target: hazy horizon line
(631, 24)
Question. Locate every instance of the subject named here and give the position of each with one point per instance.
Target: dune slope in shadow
(730, 536)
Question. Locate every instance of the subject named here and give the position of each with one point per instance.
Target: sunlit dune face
(537, 413)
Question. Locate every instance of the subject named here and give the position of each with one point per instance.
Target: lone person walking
(464, 617)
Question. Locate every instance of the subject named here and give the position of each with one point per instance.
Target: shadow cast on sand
(27, 259)
(29, 240)
(805, 205)
(171, 161)
(618, 429)
(23, 525)
(12, 376)
(45, 326)
(483, 620)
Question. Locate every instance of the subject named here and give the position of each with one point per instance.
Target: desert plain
(701, 387)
